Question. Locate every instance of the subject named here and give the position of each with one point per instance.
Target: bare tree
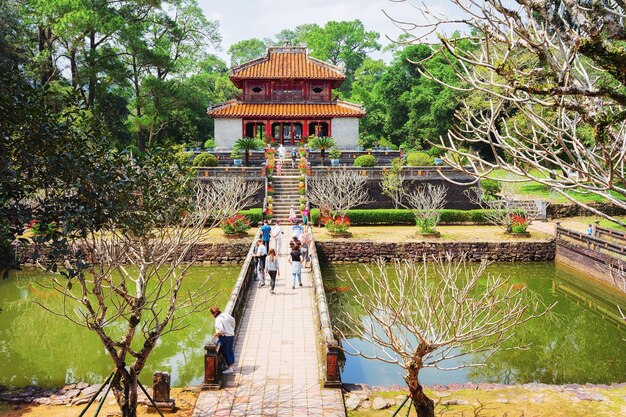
(426, 203)
(126, 286)
(393, 183)
(498, 210)
(338, 192)
(551, 77)
(420, 315)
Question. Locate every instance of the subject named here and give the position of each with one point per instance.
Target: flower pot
(438, 161)
(237, 162)
(334, 162)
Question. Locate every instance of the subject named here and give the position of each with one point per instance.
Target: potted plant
(323, 144)
(246, 145)
(235, 226)
(236, 156)
(334, 154)
(209, 145)
(338, 226)
(518, 227)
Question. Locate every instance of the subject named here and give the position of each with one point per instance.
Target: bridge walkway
(277, 369)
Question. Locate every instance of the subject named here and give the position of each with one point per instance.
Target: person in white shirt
(282, 152)
(225, 331)
(277, 234)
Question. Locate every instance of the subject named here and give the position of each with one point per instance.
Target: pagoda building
(286, 96)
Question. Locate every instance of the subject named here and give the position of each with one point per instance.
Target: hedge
(205, 160)
(403, 216)
(255, 215)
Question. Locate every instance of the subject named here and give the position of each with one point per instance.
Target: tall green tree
(344, 43)
(246, 50)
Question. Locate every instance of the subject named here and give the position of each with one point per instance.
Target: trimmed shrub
(490, 187)
(205, 160)
(419, 159)
(403, 216)
(365, 161)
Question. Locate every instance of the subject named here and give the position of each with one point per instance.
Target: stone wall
(345, 131)
(203, 253)
(559, 211)
(345, 250)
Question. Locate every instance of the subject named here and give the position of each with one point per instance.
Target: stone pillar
(211, 367)
(161, 393)
(333, 378)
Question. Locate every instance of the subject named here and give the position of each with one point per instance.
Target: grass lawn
(521, 402)
(448, 234)
(581, 223)
(533, 189)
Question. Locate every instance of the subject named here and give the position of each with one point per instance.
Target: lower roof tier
(236, 108)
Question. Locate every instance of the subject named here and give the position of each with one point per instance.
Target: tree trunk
(91, 97)
(46, 66)
(424, 406)
(125, 390)
(245, 156)
(323, 154)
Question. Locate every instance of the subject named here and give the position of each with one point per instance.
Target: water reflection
(37, 347)
(581, 341)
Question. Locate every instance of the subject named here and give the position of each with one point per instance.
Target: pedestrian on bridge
(265, 234)
(225, 332)
(295, 259)
(271, 268)
(277, 234)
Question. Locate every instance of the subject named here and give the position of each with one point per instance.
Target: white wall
(345, 131)
(227, 131)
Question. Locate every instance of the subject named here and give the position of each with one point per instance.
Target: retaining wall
(346, 250)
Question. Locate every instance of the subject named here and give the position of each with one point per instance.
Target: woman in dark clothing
(296, 266)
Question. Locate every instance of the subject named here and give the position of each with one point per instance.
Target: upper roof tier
(286, 62)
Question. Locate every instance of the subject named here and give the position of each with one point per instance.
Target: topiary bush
(205, 160)
(365, 161)
(419, 159)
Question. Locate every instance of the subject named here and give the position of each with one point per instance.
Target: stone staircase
(286, 192)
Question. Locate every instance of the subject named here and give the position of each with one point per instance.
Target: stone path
(544, 227)
(277, 365)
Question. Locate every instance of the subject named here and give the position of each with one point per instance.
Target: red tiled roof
(240, 109)
(287, 62)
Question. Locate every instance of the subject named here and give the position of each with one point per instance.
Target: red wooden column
(268, 131)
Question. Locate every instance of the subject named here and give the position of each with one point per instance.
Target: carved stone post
(211, 367)
(333, 378)
(161, 392)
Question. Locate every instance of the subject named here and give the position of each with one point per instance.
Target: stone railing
(217, 172)
(212, 357)
(348, 157)
(407, 172)
(332, 378)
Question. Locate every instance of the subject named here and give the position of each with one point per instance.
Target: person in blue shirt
(265, 234)
(297, 229)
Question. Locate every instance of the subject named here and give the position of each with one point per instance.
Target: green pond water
(37, 347)
(583, 339)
